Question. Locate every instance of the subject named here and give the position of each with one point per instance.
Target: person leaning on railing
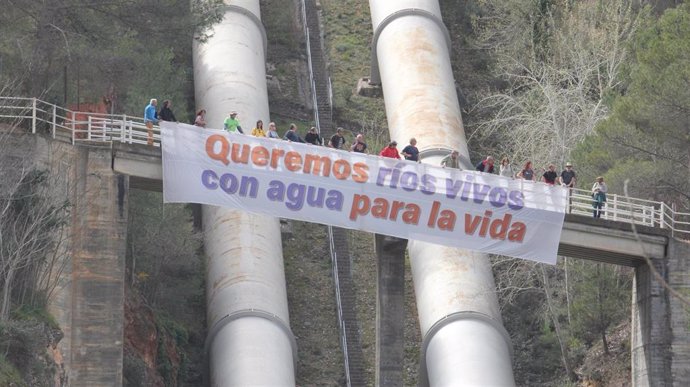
(599, 190)
(150, 118)
(166, 113)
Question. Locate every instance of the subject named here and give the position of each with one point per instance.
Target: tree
(559, 64)
(33, 224)
(647, 136)
(98, 48)
(601, 299)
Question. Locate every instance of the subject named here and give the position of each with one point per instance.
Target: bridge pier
(93, 302)
(660, 333)
(390, 310)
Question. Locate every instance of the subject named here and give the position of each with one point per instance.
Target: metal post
(54, 119)
(88, 128)
(33, 116)
(615, 207)
(123, 130)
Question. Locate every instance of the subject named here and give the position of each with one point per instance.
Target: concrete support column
(464, 340)
(660, 337)
(390, 310)
(99, 229)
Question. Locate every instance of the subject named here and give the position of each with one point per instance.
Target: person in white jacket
(599, 190)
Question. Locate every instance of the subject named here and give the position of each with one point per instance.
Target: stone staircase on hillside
(347, 314)
(320, 72)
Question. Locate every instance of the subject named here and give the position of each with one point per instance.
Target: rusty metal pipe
(250, 342)
(464, 339)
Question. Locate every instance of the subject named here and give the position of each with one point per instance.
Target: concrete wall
(88, 302)
(660, 337)
(679, 279)
(98, 268)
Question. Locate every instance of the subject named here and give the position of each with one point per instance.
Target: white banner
(465, 209)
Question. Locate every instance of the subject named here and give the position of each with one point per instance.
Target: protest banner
(466, 209)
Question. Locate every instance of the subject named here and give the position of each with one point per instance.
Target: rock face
(154, 358)
(88, 301)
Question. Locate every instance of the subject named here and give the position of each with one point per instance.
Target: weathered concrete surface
(390, 310)
(98, 268)
(141, 163)
(88, 301)
(660, 337)
(610, 242)
(679, 279)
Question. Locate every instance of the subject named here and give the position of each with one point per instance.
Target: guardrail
(632, 210)
(75, 126)
(89, 127)
(339, 303)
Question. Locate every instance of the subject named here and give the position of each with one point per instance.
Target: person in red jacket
(390, 151)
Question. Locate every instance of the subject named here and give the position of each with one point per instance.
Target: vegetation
(602, 83)
(33, 220)
(646, 138)
(123, 52)
(166, 269)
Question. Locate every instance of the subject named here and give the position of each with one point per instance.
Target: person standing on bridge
(568, 176)
(337, 140)
(411, 152)
(150, 118)
(390, 151)
(312, 137)
(200, 119)
(505, 169)
(527, 173)
(258, 131)
(232, 124)
(486, 165)
(166, 114)
(359, 146)
(452, 160)
(272, 132)
(550, 176)
(599, 190)
(292, 135)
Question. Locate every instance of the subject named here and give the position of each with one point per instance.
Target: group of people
(567, 177)
(152, 116)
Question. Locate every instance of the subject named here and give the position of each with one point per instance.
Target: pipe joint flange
(448, 319)
(436, 151)
(253, 18)
(443, 152)
(236, 315)
(375, 78)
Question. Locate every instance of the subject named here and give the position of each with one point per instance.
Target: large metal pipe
(464, 339)
(249, 340)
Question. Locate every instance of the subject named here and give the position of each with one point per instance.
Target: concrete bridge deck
(582, 236)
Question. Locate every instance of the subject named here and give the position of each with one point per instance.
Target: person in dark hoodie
(486, 165)
(166, 114)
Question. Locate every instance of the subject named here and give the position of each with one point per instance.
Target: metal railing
(339, 303)
(75, 126)
(631, 210)
(79, 127)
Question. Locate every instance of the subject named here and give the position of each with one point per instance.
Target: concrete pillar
(660, 337)
(99, 227)
(390, 310)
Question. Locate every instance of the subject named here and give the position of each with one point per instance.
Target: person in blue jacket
(150, 118)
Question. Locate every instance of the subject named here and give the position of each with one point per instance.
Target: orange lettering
(276, 154)
(293, 161)
(222, 155)
(259, 156)
(341, 169)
